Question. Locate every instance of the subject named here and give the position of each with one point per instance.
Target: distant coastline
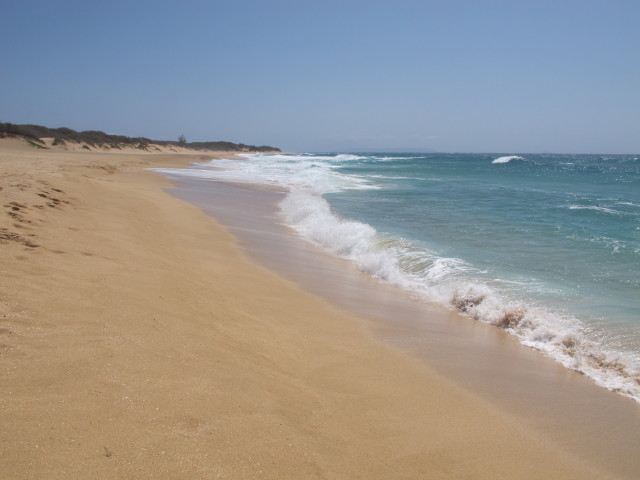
(44, 137)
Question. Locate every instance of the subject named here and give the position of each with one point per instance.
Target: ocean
(545, 247)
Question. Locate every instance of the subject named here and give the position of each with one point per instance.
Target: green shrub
(97, 138)
(37, 145)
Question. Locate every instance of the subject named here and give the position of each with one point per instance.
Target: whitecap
(346, 156)
(388, 159)
(316, 172)
(454, 284)
(507, 159)
(437, 278)
(596, 208)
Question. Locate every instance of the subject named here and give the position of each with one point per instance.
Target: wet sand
(137, 340)
(569, 409)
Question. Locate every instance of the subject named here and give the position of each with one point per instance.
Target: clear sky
(454, 76)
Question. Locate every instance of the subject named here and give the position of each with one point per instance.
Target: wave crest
(507, 159)
(563, 338)
(450, 282)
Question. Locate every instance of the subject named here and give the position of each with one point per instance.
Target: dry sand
(137, 341)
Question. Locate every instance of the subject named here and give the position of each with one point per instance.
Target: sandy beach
(138, 340)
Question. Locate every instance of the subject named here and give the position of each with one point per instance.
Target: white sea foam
(345, 156)
(455, 284)
(303, 156)
(449, 281)
(285, 171)
(596, 208)
(388, 159)
(507, 159)
(392, 177)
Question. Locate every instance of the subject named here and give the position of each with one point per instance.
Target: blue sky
(453, 76)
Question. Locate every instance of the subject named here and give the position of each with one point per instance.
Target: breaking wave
(507, 159)
(451, 282)
(596, 208)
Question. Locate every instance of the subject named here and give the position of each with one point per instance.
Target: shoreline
(490, 278)
(137, 339)
(525, 383)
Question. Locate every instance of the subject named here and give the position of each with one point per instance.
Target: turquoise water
(564, 230)
(546, 247)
